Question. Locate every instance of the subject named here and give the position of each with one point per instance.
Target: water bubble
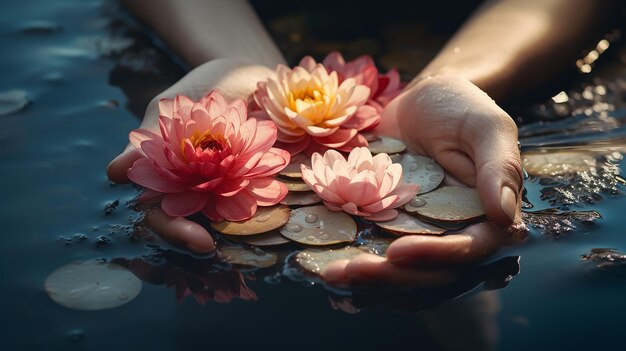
(294, 228)
(311, 218)
(413, 168)
(325, 237)
(417, 202)
(102, 241)
(80, 237)
(316, 197)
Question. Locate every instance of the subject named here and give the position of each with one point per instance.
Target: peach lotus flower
(366, 186)
(313, 110)
(209, 157)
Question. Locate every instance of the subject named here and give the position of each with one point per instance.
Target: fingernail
(508, 202)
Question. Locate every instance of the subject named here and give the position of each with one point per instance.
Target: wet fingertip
(405, 251)
(335, 272)
(202, 247)
(118, 167)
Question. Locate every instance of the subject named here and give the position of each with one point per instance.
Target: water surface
(78, 74)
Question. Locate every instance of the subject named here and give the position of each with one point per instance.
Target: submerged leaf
(92, 285)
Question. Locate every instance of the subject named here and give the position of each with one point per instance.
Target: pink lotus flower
(365, 186)
(383, 87)
(209, 157)
(313, 110)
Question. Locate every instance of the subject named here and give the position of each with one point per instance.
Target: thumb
(496, 156)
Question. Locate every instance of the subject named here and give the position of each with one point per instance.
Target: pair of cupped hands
(444, 117)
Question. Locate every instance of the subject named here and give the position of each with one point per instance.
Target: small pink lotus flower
(313, 110)
(209, 157)
(365, 186)
(383, 87)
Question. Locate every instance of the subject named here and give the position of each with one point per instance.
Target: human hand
(234, 79)
(475, 141)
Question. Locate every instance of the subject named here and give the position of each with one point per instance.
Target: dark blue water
(77, 73)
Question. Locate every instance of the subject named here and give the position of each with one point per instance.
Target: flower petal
(383, 216)
(144, 173)
(267, 191)
(184, 203)
(236, 208)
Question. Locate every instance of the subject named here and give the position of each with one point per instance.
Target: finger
(179, 231)
(118, 168)
(472, 245)
(493, 146)
(369, 269)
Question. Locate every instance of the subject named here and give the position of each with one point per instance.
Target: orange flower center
(205, 141)
(309, 95)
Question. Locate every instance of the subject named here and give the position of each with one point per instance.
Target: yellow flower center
(307, 98)
(204, 141)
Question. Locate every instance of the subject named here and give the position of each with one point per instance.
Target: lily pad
(293, 168)
(407, 224)
(264, 220)
(423, 171)
(266, 239)
(92, 285)
(447, 204)
(301, 198)
(370, 136)
(316, 225)
(376, 246)
(386, 145)
(316, 260)
(244, 257)
(294, 184)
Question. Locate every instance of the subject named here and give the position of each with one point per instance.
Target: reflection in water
(200, 278)
(209, 279)
(493, 276)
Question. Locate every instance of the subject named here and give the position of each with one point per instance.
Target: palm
(234, 79)
(454, 122)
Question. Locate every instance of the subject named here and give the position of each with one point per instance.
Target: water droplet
(311, 218)
(273, 279)
(417, 202)
(253, 263)
(263, 218)
(311, 238)
(102, 241)
(258, 251)
(435, 177)
(413, 168)
(431, 167)
(294, 228)
(122, 297)
(325, 237)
